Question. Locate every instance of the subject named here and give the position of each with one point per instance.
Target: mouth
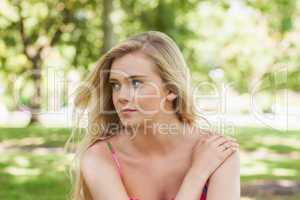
(128, 110)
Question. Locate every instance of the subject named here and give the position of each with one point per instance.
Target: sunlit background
(244, 56)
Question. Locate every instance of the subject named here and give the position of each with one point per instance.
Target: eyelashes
(136, 81)
(116, 86)
(113, 84)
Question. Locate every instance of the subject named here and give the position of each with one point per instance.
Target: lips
(128, 110)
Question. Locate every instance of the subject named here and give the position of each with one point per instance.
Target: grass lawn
(32, 164)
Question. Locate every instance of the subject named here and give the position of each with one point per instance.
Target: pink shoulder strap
(114, 156)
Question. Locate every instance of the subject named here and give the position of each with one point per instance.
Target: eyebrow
(129, 77)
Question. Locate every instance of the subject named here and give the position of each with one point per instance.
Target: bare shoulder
(95, 159)
(233, 161)
(98, 152)
(100, 172)
(205, 134)
(202, 134)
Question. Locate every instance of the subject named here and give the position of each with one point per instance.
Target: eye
(136, 83)
(114, 86)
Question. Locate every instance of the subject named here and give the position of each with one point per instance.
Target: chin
(129, 123)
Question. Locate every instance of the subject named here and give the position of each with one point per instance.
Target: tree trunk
(36, 99)
(107, 25)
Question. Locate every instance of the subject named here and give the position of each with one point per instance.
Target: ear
(171, 96)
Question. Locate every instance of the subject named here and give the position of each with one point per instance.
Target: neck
(160, 137)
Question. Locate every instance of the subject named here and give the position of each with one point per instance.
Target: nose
(125, 94)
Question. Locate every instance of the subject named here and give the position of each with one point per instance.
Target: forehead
(132, 64)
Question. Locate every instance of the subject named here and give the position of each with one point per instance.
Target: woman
(142, 140)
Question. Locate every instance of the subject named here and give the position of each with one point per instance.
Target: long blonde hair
(95, 95)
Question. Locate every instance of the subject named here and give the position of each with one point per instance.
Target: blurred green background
(244, 56)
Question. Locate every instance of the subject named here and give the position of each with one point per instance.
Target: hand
(210, 151)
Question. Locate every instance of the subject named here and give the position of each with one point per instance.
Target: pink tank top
(114, 155)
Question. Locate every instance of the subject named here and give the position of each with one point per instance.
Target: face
(136, 85)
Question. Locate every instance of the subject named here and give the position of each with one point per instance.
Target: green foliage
(246, 39)
(31, 168)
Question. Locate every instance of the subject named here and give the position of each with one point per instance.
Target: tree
(32, 28)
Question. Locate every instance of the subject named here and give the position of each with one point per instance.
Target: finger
(227, 141)
(227, 145)
(229, 151)
(219, 141)
(213, 137)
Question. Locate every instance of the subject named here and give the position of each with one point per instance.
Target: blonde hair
(95, 94)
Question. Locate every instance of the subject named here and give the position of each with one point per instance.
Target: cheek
(115, 101)
(148, 99)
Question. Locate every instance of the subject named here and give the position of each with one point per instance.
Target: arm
(212, 155)
(192, 185)
(101, 176)
(225, 181)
